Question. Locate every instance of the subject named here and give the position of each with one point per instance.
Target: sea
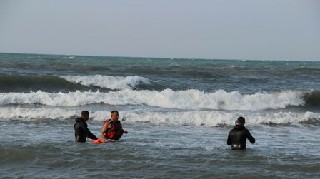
(178, 113)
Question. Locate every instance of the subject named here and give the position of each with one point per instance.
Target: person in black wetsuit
(238, 135)
(81, 131)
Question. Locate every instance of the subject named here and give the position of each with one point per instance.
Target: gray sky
(217, 29)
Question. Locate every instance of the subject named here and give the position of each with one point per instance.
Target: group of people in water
(112, 131)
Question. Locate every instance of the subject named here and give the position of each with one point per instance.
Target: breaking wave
(21, 83)
(312, 98)
(110, 82)
(190, 99)
(197, 118)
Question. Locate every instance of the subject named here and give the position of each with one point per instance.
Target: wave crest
(197, 118)
(312, 98)
(110, 82)
(190, 99)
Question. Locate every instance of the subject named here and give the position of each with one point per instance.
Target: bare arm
(104, 129)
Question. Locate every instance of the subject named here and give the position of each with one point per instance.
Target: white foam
(197, 118)
(29, 114)
(216, 118)
(195, 99)
(110, 82)
(190, 99)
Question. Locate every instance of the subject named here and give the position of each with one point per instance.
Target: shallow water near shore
(43, 149)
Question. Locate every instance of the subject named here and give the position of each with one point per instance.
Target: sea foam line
(197, 118)
(190, 99)
(110, 82)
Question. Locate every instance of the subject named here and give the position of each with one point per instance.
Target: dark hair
(115, 112)
(241, 120)
(83, 113)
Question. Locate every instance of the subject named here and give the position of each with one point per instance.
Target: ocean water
(178, 113)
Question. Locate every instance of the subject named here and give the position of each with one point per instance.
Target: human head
(114, 115)
(240, 121)
(85, 115)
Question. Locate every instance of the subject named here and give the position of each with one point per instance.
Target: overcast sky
(215, 29)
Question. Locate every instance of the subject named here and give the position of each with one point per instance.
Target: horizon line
(188, 58)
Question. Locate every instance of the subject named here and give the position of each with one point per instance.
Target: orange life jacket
(115, 132)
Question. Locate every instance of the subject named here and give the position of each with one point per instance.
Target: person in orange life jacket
(238, 135)
(112, 128)
(81, 130)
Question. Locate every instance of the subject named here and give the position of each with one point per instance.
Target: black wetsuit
(237, 138)
(81, 131)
